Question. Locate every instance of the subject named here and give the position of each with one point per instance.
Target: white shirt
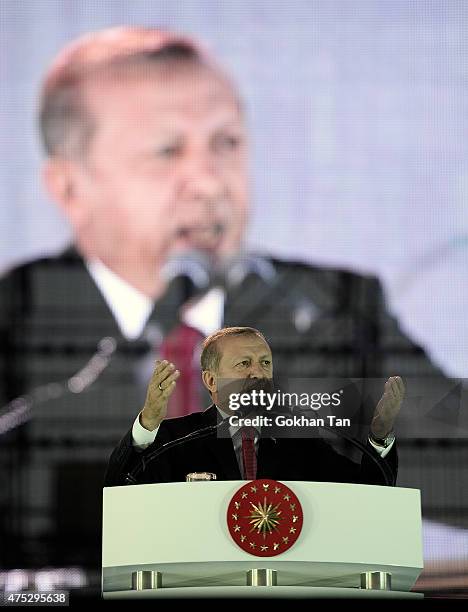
(132, 309)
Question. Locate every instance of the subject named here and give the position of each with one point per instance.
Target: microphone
(201, 269)
(19, 410)
(234, 270)
(245, 267)
(187, 275)
(131, 477)
(192, 269)
(194, 272)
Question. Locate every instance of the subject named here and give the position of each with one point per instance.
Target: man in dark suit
(242, 356)
(146, 155)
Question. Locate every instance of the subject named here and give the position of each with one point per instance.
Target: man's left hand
(388, 408)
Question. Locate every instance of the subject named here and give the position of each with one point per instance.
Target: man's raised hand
(160, 388)
(388, 408)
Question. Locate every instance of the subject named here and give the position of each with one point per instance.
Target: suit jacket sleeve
(335, 467)
(125, 458)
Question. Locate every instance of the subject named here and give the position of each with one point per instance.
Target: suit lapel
(87, 297)
(220, 449)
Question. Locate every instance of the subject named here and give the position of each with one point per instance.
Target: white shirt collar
(132, 309)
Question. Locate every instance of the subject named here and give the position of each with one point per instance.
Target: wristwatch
(384, 442)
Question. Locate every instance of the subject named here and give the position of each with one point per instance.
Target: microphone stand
(131, 477)
(385, 470)
(380, 463)
(20, 409)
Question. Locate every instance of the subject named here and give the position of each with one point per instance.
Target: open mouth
(204, 237)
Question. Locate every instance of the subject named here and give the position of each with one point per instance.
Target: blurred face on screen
(165, 171)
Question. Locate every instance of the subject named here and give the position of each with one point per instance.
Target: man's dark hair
(211, 356)
(66, 125)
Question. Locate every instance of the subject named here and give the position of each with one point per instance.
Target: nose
(256, 371)
(203, 180)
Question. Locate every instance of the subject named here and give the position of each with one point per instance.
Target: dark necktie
(249, 457)
(182, 347)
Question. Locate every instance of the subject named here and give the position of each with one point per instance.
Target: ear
(63, 181)
(210, 381)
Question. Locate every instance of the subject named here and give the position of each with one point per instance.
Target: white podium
(180, 531)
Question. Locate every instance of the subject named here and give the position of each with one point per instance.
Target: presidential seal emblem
(264, 518)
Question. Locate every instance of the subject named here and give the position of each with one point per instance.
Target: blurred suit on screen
(147, 157)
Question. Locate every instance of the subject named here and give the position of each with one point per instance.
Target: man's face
(165, 169)
(246, 364)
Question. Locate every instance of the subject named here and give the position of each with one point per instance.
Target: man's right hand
(160, 388)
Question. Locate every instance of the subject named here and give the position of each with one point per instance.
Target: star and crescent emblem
(264, 518)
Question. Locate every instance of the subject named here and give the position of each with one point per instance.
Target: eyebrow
(268, 355)
(232, 123)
